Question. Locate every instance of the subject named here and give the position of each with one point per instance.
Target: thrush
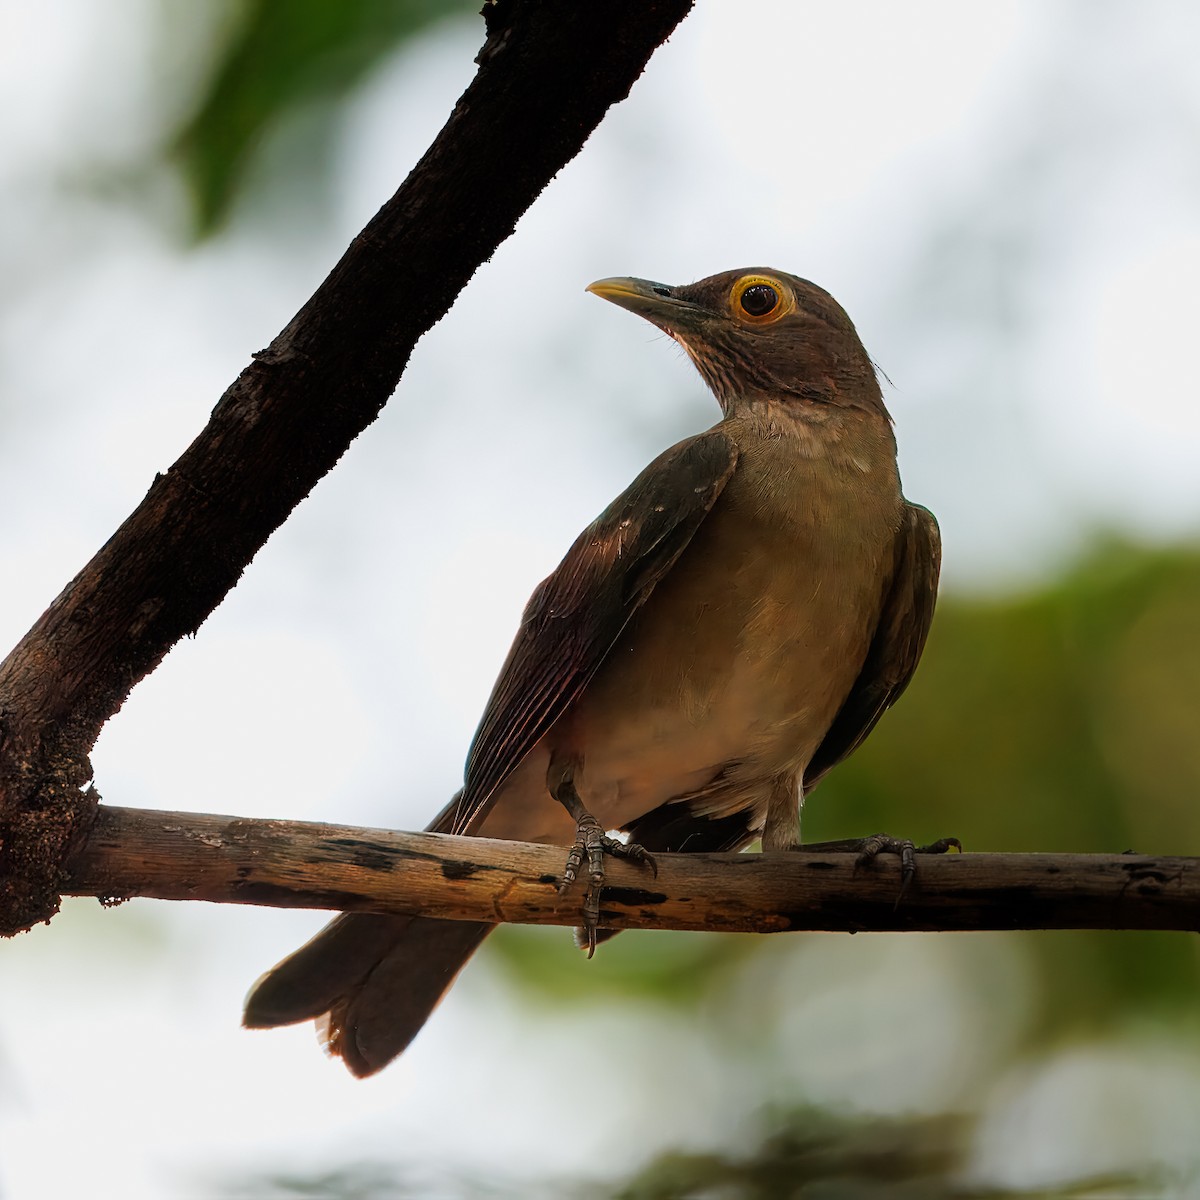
(730, 628)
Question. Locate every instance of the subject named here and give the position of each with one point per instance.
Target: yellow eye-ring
(759, 299)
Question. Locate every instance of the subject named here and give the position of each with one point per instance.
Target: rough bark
(291, 864)
(547, 74)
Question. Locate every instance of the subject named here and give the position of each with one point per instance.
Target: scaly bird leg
(592, 843)
(869, 848)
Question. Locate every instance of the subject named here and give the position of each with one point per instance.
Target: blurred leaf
(283, 56)
(812, 1154)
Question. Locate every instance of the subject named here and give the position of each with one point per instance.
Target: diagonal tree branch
(292, 864)
(547, 74)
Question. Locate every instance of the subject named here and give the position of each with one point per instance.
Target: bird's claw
(591, 844)
(869, 848)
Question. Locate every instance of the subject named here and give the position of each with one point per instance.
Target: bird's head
(759, 336)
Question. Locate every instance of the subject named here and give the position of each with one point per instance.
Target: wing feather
(576, 615)
(896, 647)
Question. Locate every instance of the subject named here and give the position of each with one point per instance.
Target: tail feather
(307, 983)
(374, 1022)
(370, 981)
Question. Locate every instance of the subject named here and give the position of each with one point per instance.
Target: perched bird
(726, 631)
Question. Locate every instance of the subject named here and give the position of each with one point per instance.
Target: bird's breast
(741, 657)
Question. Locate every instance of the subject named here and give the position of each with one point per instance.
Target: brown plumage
(725, 632)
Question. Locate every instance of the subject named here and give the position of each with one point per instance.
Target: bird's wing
(574, 616)
(897, 644)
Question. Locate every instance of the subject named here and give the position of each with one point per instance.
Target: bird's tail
(369, 981)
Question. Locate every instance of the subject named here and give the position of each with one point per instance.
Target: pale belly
(738, 670)
(734, 668)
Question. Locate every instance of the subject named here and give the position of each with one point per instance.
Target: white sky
(1004, 197)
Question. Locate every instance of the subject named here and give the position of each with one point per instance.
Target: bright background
(1005, 197)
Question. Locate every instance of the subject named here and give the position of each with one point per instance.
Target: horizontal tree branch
(294, 864)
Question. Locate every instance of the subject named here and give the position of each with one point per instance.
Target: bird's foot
(871, 847)
(592, 844)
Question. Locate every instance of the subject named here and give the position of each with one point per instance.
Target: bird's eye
(759, 299)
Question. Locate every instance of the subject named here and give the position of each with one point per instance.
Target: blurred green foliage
(281, 56)
(1064, 719)
(807, 1154)
(362, 1181)
(801, 1154)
